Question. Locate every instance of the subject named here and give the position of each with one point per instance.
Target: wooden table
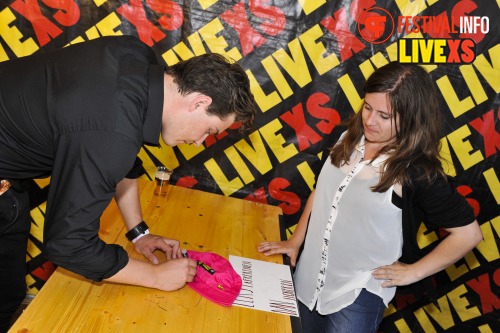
(200, 221)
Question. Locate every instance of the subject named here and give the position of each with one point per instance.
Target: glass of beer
(162, 179)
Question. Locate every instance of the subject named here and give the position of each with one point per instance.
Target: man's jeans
(363, 316)
(14, 231)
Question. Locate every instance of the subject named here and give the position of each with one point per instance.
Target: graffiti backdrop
(307, 61)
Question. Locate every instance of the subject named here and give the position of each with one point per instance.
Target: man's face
(193, 127)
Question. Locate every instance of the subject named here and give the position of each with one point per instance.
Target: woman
(384, 178)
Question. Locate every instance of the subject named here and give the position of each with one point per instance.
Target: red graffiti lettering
(136, 15)
(249, 37)
(186, 181)
(315, 106)
(173, 16)
(274, 18)
(486, 127)
(465, 190)
(43, 27)
(358, 7)
(290, 202)
(338, 25)
(305, 134)
(463, 8)
(68, 13)
(482, 286)
(45, 271)
(258, 196)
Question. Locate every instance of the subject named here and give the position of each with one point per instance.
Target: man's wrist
(140, 236)
(137, 232)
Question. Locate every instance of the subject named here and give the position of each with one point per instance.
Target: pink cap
(215, 278)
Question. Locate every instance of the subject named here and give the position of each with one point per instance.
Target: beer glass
(162, 179)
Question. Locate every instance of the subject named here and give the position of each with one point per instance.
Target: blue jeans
(14, 231)
(362, 316)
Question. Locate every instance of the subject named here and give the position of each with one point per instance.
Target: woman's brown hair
(412, 95)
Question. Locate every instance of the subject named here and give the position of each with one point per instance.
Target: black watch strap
(137, 231)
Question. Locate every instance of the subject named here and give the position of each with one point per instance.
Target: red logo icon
(376, 25)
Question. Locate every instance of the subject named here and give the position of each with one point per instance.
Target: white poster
(266, 286)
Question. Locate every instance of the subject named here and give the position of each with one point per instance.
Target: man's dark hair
(224, 81)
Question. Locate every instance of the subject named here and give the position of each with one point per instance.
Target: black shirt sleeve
(87, 168)
(137, 170)
(437, 205)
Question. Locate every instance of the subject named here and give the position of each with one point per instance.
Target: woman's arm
(456, 245)
(291, 246)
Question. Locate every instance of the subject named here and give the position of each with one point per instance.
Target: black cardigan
(437, 205)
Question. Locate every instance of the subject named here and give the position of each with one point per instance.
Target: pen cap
(219, 282)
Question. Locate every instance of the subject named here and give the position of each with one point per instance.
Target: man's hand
(147, 244)
(174, 274)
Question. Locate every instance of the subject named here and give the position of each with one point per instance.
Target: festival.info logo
(376, 25)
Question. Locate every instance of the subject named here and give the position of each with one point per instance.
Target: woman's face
(378, 123)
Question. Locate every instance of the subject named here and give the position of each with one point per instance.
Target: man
(81, 115)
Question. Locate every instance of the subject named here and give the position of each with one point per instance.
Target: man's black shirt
(80, 115)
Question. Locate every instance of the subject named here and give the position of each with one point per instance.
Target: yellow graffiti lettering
(12, 36)
(493, 183)
(317, 50)
(490, 72)
(424, 237)
(461, 305)
(488, 246)
(310, 6)
(276, 141)
(277, 77)
(209, 34)
(36, 231)
(190, 151)
(256, 153)
(227, 186)
(195, 48)
(457, 107)
(217, 43)
(485, 329)
(445, 157)
(207, 3)
(165, 155)
(307, 174)
(463, 148)
(239, 165)
(3, 54)
(441, 313)
(474, 84)
(108, 25)
(295, 65)
(263, 100)
(402, 326)
(350, 91)
(424, 321)
(413, 8)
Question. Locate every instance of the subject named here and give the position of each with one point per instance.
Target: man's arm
(127, 198)
(168, 276)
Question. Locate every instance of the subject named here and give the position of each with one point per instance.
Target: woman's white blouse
(351, 232)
